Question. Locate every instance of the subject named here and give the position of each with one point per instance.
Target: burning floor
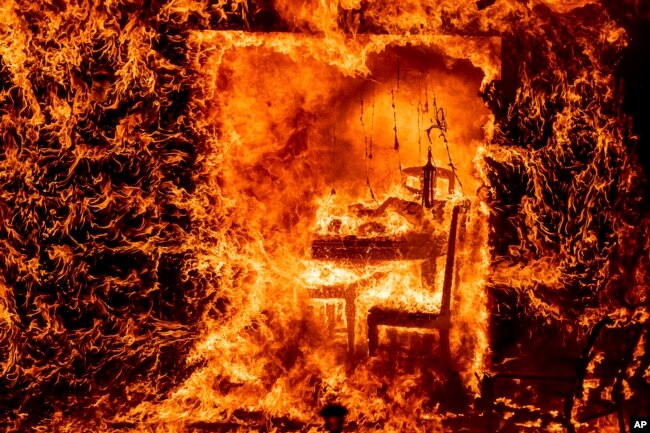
(334, 216)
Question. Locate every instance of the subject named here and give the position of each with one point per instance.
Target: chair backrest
(587, 354)
(445, 307)
(616, 362)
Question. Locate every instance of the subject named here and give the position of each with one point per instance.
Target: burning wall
(115, 221)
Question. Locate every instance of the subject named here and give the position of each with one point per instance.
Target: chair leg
(568, 414)
(373, 335)
(350, 318)
(618, 397)
(621, 420)
(445, 350)
(487, 396)
(618, 400)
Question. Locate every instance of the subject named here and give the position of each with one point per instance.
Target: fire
(212, 216)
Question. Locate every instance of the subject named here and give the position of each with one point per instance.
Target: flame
(167, 166)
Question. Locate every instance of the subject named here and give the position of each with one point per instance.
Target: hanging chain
(365, 139)
(440, 123)
(372, 122)
(420, 114)
(333, 190)
(392, 95)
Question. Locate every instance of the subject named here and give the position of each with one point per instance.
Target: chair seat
(390, 317)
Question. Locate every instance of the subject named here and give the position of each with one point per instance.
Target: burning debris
(226, 216)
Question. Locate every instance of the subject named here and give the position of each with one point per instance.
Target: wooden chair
(378, 316)
(574, 385)
(413, 246)
(348, 294)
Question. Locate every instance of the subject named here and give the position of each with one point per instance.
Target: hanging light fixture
(428, 182)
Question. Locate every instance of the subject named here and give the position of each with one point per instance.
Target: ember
(265, 216)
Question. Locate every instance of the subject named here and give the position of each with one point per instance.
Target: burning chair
(426, 247)
(569, 387)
